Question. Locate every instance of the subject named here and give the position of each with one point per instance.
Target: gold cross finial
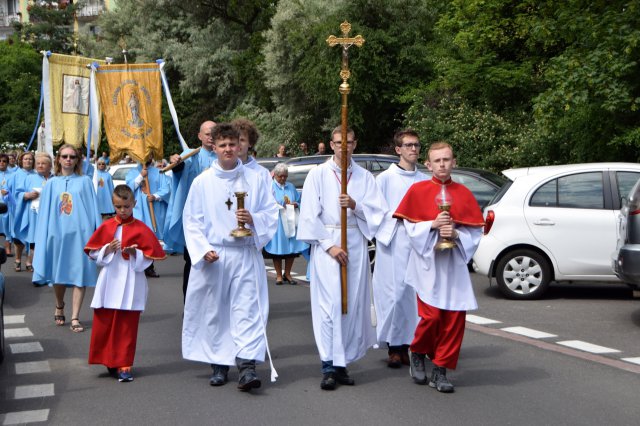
(346, 42)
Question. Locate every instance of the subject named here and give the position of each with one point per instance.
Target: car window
(483, 191)
(378, 166)
(121, 174)
(362, 163)
(626, 180)
(580, 190)
(298, 174)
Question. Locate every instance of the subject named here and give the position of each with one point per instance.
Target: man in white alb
(227, 305)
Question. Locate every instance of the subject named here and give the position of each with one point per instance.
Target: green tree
(50, 26)
(20, 71)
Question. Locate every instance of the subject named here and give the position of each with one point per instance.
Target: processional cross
(346, 42)
(229, 203)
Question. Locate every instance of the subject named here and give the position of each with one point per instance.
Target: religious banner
(65, 86)
(131, 102)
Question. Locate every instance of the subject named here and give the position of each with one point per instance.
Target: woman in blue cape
(104, 191)
(6, 219)
(26, 216)
(67, 219)
(26, 161)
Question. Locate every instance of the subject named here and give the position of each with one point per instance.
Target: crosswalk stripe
(33, 391)
(13, 319)
(475, 319)
(587, 347)
(32, 367)
(24, 348)
(10, 333)
(635, 360)
(23, 417)
(528, 332)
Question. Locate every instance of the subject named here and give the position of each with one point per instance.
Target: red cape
(133, 232)
(419, 203)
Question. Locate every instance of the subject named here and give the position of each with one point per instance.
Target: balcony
(91, 10)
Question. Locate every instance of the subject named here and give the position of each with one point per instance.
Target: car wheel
(523, 274)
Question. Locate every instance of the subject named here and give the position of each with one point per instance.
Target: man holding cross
(340, 338)
(227, 304)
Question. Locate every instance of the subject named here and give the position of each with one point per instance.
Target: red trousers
(439, 335)
(113, 337)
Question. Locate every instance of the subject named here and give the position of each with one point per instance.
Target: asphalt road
(505, 376)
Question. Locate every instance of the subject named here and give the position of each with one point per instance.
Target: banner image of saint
(75, 95)
(131, 103)
(66, 204)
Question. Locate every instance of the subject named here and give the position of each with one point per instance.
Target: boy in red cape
(440, 277)
(124, 247)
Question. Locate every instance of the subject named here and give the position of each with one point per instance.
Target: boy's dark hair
(224, 131)
(123, 192)
(244, 125)
(5, 157)
(400, 134)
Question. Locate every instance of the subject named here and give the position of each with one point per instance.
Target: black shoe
(439, 380)
(219, 376)
(151, 272)
(290, 281)
(113, 372)
(342, 377)
(416, 369)
(278, 282)
(249, 380)
(248, 377)
(328, 381)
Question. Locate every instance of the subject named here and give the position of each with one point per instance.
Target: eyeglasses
(73, 157)
(411, 145)
(340, 142)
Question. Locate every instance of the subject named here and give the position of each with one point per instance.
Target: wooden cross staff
(346, 42)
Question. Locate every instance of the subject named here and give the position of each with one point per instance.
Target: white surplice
(227, 304)
(441, 277)
(340, 338)
(395, 301)
(121, 283)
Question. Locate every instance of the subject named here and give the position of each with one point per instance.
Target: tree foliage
(20, 71)
(508, 82)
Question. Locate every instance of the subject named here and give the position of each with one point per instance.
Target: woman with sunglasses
(67, 219)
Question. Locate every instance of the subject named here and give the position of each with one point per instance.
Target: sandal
(18, 265)
(59, 319)
(76, 328)
(29, 267)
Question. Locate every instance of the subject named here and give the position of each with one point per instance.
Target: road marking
(22, 417)
(587, 347)
(632, 360)
(475, 319)
(32, 367)
(269, 268)
(14, 319)
(24, 348)
(621, 365)
(528, 332)
(33, 391)
(17, 332)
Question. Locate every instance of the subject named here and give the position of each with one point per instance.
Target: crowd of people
(225, 213)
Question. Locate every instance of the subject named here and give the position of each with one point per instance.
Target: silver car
(627, 263)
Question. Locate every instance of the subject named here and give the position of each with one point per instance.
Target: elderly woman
(284, 244)
(104, 189)
(26, 216)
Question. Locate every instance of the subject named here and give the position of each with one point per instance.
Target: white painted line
(17, 332)
(22, 417)
(24, 348)
(14, 319)
(528, 332)
(32, 367)
(269, 268)
(587, 347)
(632, 360)
(474, 319)
(33, 391)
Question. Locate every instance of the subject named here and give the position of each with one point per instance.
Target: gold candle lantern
(444, 201)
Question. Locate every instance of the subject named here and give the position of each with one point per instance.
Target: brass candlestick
(241, 231)
(443, 201)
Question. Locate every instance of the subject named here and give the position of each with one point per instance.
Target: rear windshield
(496, 198)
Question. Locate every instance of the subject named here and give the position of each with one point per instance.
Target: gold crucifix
(346, 42)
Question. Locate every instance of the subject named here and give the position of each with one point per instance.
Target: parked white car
(553, 223)
(119, 172)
